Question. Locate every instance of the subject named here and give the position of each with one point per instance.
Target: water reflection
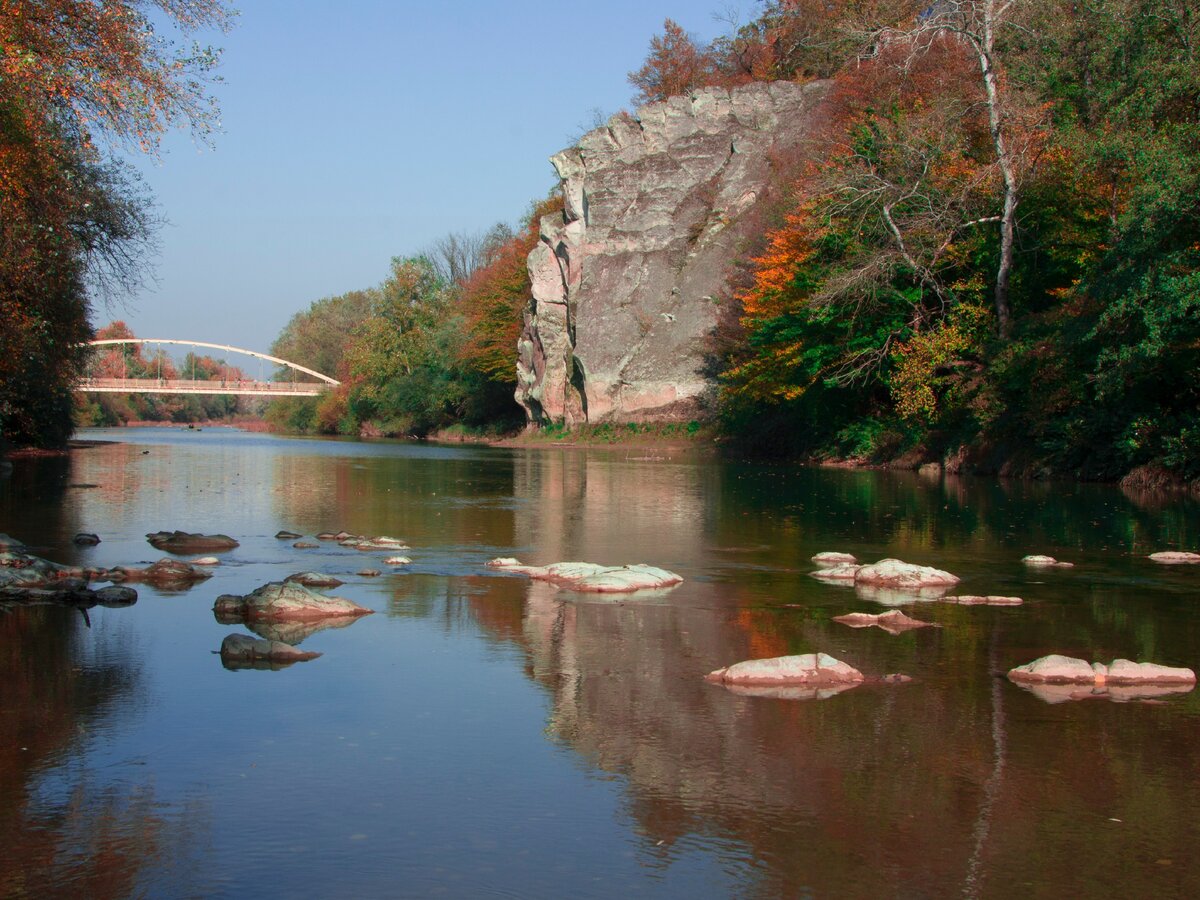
(444, 724)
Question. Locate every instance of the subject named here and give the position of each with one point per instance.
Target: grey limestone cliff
(627, 281)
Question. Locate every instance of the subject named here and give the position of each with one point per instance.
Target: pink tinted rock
(1055, 669)
(893, 622)
(843, 572)
(989, 600)
(594, 578)
(803, 669)
(828, 559)
(1045, 562)
(894, 573)
(1124, 671)
(204, 561)
(1175, 557)
(790, 691)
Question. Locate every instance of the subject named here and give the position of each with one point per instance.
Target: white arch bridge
(243, 386)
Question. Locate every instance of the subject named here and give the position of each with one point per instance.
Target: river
(484, 735)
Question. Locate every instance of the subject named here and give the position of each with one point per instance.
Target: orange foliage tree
(73, 221)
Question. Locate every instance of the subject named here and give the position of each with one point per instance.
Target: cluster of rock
(282, 614)
(1056, 678)
(593, 578)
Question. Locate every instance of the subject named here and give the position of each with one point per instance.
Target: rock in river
(893, 573)
(240, 651)
(804, 669)
(182, 542)
(1175, 557)
(315, 579)
(285, 601)
(828, 559)
(1056, 669)
(1045, 562)
(894, 622)
(591, 577)
(86, 539)
(165, 572)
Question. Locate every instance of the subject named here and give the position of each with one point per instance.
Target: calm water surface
(482, 735)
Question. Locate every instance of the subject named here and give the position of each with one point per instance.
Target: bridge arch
(275, 359)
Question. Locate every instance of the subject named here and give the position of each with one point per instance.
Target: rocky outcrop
(628, 279)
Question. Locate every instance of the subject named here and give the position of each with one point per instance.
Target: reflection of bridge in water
(241, 386)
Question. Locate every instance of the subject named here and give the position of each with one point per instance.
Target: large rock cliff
(628, 280)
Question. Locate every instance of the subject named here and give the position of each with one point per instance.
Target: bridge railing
(216, 386)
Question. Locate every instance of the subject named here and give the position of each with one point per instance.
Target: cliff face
(627, 281)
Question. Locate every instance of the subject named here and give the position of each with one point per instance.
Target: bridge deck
(178, 386)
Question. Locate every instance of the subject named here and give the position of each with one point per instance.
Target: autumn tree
(77, 76)
(674, 66)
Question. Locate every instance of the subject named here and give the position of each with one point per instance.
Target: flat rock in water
(314, 579)
(163, 572)
(829, 558)
(205, 561)
(327, 536)
(284, 601)
(369, 573)
(1056, 669)
(1175, 557)
(397, 561)
(592, 577)
(804, 669)
(243, 646)
(183, 542)
(841, 572)
(382, 542)
(894, 573)
(288, 535)
(86, 539)
(1048, 562)
(989, 600)
(305, 545)
(893, 622)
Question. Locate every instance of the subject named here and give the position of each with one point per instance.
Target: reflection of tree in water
(62, 829)
(956, 782)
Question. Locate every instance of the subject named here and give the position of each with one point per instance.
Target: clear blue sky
(360, 130)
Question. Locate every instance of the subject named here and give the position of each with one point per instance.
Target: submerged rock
(242, 651)
(285, 601)
(183, 542)
(893, 622)
(591, 577)
(829, 559)
(288, 535)
(327, 536)
(381, 542)
(805, 669)
(314, 579)
(397, 561)
(990, 600)
(1056, 669)
(369, 573)
(305, 545)
(86, 539)
(840, 572)
(205, 561)
(163, 572)
(289, 632)
(1174, 557)
(1045, 562)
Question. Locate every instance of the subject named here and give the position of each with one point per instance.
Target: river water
(483, 735)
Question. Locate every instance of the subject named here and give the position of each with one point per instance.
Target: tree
(73, 222)
(674, 66)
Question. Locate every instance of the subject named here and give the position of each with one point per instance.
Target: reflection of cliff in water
(954, 783)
